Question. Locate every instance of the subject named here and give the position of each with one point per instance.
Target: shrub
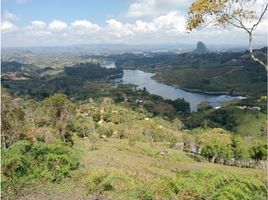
(216, 145)
(102, 181)
(59, 166)
(165, 188)
(24, 163)
(105, 131)
(121, 134)
(214, 184)
(258, 150)
(208, 184)
(83, 126)
(14, 161)
(173, 140)
(96, 117)
(107, 117)
(143, 193)
(203, 106)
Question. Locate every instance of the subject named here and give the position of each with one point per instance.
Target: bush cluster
(24, 162)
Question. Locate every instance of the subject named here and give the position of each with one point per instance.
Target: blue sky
(66, 10)
(68, 22)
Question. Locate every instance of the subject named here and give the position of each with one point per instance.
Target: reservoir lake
(144, 79)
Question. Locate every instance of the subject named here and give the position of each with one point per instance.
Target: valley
(134, 100)
(212, 72)
(106, 127)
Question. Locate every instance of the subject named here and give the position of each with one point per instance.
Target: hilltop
(200, 48)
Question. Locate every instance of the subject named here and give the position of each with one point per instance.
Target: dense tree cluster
(180, 105)
(220, 146)
(92, 71)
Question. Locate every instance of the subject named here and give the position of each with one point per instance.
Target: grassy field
(117, 170)
(250, 123)
(118, 153)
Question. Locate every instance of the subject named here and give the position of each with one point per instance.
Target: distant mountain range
(121, 48)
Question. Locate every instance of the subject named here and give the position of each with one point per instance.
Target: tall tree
(84, 126)
(240, 149)
(12, 120)
(259, 151)
(216, 145)
(242, 14)
(61, 112)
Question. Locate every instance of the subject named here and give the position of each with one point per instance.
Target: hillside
(246, 123)
(57, 149)
(73, 133)
(118, 171)
(227, 72)
(82, 80)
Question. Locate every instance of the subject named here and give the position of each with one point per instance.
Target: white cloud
(38, 24)
(173, 21)
(153, 8)
(263, 26)
(37, 29)
(118, 29)
(167, 28)
(57, 25)
(7, 26)
(144, 27)
(84, 26)
(9, 16)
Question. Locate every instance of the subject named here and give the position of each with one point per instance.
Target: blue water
(143, 79)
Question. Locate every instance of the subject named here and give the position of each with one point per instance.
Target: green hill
(117, 171)
(57, 149)
(226, 72)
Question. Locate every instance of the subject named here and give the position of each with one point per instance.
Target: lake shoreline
(154, 77)
(169, 91)
(197, 90)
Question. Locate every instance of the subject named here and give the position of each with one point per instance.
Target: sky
(71, 22)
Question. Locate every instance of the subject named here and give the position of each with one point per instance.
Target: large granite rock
(200, 48)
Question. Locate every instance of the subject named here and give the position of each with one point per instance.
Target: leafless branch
(260, 18)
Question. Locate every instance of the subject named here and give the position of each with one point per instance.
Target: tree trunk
(4, 142)
(252, 55)
(213, 158)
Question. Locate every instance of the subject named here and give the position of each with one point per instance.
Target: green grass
(157, 174)
(249, 123)
(25, 165)
(132, 168)
(118, 171)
